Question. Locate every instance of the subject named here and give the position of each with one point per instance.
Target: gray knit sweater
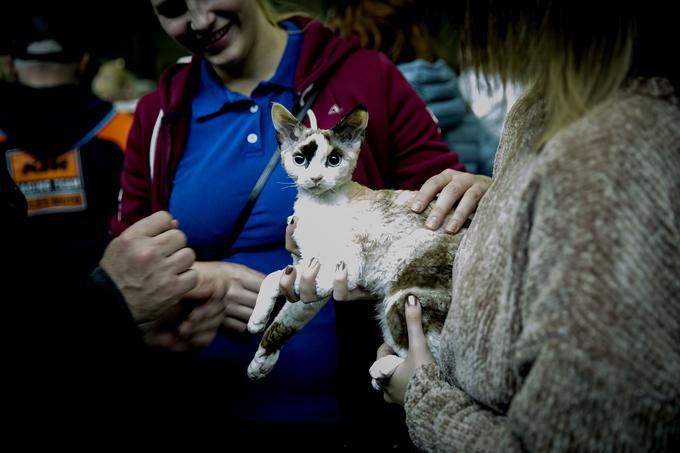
(564, 330)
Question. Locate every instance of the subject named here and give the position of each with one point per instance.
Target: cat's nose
(316, 179)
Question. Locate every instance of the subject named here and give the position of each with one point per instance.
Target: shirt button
(254, 108)
(252, 138)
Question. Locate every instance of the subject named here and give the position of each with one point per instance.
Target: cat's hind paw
(262, 363)
(383, 368)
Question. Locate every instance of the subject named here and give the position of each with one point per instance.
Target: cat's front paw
(256, 326)
(262, 363)
(383, 368)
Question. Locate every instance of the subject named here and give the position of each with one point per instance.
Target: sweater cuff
(420, 384)
(427, 394)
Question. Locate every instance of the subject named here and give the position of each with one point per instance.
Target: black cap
(46, 37)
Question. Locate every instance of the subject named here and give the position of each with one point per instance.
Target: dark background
(130, 29)
(112, 29)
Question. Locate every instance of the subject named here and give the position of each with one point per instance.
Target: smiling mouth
(215, 36)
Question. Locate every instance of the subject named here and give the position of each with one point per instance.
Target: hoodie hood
(321, 52)
(49, 121)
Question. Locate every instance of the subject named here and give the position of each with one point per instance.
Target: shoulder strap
(312, 94)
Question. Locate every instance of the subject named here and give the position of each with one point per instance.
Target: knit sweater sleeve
(597, 361)
(442, 417)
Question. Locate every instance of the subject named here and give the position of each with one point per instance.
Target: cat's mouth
(315, 188)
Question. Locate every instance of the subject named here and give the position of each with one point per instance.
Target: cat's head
(319, 159)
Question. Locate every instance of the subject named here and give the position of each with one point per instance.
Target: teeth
(219, 33)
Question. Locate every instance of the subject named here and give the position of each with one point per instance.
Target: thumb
(414, 325)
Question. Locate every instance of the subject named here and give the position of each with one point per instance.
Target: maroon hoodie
(403, 146)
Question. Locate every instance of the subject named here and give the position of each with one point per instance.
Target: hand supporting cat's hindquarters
(419, 354)
(383, 368)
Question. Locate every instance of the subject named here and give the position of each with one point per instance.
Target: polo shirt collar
(213, 96)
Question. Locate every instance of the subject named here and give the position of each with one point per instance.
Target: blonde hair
(274, 16)
(569, 57)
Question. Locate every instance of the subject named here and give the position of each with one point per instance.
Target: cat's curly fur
(385, 246)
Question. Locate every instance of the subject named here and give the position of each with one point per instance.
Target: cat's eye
(333, 160)
(299, 159)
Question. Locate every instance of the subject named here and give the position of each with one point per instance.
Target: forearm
(566, 398)
(441, 417)
(112, 308)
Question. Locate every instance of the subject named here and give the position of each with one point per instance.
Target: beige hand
(241, 287)
(452, 186)
(151, 266)
(394, 388)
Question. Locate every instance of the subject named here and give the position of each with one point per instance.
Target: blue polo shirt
(231, 139)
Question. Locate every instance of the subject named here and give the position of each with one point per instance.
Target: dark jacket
(63, 146)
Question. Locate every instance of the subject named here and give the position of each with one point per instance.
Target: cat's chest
(328, 228)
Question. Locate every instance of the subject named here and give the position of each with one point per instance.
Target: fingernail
(416, 205)
(288, 270)
(411, 300)
(340, 266)
(431, 222)
(452, 227)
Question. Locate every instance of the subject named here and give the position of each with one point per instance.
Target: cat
(384, 245)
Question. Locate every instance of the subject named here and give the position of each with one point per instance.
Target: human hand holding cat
(452, 186)
(394, 388)
(308, 294)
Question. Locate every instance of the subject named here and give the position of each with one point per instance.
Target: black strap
(312, 94)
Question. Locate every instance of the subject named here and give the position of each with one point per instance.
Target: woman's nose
(201, 18)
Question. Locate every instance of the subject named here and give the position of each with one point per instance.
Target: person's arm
(113, 309)
(151, 266)
(598, 353)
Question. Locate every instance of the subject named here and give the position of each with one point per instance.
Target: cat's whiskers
(287, 185)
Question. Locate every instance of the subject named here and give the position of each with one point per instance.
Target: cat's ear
(288, 128)
(352, 128)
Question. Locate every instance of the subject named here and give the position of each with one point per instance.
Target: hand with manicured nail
(394, 389)
(451, 187)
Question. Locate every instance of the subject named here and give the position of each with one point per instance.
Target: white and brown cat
(384, 245)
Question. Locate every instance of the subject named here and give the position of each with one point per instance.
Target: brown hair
(571, 54)
(395, 27)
